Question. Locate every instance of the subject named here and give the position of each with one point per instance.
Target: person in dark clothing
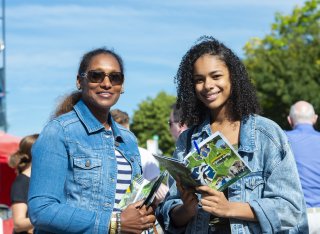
(21, 161)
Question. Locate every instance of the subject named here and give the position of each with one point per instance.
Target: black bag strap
(189, 134)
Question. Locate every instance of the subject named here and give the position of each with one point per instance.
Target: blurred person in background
(175, 128)
(150, 166)
(305, 144)
(21, 161)
(175, 125)
(83, 162)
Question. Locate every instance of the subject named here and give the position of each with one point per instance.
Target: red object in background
(7, 226)
(8, 145)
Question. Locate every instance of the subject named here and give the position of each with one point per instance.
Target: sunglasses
(116, 78)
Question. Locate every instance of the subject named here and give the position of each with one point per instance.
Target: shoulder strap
(189, 134)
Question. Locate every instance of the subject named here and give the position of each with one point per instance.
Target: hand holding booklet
(141, 189)
(213, 162)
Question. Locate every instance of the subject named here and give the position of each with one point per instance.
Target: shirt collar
(116, 131)
(304, 127)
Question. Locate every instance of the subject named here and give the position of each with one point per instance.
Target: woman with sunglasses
(83, 162)
(215, 94)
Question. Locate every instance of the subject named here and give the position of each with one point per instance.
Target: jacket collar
(91, 123)
(247, 132)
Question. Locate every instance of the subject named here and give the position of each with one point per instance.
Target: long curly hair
(243, 100)
(21, 159)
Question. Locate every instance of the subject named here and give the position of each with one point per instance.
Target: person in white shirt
(150, 166)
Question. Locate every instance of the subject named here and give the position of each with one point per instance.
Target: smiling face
(100, 97)
(212, 82)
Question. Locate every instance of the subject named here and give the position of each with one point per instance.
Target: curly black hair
(243, 100)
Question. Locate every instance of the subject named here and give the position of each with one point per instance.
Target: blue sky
(45, 40)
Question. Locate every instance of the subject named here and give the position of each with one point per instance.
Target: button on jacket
(74, 173)
(272, 189)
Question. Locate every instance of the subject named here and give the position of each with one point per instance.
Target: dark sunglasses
(170, 123)
(116, 78)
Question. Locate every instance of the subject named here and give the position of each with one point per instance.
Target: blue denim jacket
(272, 190)
(74, 173)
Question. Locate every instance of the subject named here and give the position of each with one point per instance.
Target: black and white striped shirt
(123, 178)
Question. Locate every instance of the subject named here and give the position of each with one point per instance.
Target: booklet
(141, 189)
(213, 162)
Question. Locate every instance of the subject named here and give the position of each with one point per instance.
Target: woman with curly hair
(21, 161)
(215, 94)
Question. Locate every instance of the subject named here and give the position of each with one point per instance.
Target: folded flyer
(213, 162)
(141, 189)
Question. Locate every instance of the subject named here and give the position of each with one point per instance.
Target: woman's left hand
(214, 202)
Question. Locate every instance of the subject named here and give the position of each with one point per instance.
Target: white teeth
(212, 96)
(104, 94)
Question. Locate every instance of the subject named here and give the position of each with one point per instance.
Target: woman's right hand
(182, 214)
(189, 198)
(135, 220)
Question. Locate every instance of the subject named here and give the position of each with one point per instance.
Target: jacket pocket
(87, 174)
(87, 169)
(254, 185)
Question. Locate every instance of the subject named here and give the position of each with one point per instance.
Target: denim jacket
(74, 173)
(272, 189)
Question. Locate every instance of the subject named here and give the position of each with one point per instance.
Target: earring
(78, 87)
(122, 91)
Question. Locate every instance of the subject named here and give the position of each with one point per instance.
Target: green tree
(285, 65)
(152, 119)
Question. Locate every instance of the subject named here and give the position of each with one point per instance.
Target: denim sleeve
(47, 206)
(282, 204)
(173, 197)
(163, 211)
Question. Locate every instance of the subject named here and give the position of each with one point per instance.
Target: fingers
(149, 210)
(147, 213)
(138, 203)
(148, 221)
(177, 180)
(207, 190)
(179, 187)
(148, 226)
(208, 202)
(151, 218)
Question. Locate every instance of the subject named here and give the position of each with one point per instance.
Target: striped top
(123, 178)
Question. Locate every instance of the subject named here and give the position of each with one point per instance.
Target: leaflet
(213, 162)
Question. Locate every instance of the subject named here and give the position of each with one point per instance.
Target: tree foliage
(285, 65)
(152, 119)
